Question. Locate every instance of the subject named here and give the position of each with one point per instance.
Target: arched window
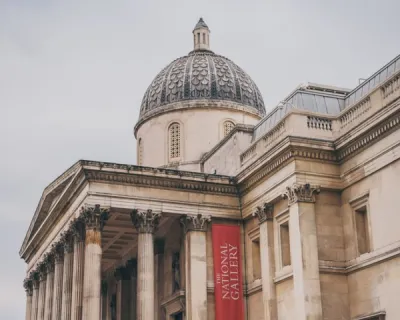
(228, 126)
(174, 133)
(140, 152)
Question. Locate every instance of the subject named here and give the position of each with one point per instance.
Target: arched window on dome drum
(228, 126)
(174, 139)
(140, 152)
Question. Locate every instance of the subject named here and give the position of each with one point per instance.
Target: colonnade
(67, 284)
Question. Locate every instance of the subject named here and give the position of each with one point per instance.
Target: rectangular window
(204, 38)
(361, 219)
(198, 37)
(255, 250)
(285, 243)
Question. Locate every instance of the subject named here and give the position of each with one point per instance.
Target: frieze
(300, 193)
(195, 222)
(145, 221)
(264, 213)
(161, 182)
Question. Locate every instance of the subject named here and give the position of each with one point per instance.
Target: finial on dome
(201, 36)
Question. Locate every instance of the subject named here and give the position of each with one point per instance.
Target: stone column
(28, 285)
(123, 277)
(132, 267)
(58, 250)
(267, 257)
(195, 228)
(67, 241)
(49, 258)
(304, 251)
(94, 218)
(158, 277)
(146, 223)
(35, 295)
(42, 290)
(78, 231)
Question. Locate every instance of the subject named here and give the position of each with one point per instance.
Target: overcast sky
(72, 76)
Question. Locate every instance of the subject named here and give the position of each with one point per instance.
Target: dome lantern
(201, 36)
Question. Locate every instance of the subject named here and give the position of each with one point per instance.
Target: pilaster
(78, 231)
(304, 250)
(267, 257)
(95, 218)
(123, 277)
(58, 251)
(146, 223)
(195, 228)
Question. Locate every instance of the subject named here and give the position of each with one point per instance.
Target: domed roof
(202, 75)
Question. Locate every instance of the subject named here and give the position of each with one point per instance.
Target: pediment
(51, 196)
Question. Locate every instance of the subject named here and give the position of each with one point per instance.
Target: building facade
(310, 187)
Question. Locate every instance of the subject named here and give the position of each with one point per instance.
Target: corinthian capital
(195, 222)
(67, 241)
(264, 213)
(78, 229)
(145, 221)
(49, 262)
(28, 285)
(58, 251)
(95, 217)
(34, 276)
(301, 193)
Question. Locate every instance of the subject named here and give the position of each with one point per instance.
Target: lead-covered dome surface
(201, 75)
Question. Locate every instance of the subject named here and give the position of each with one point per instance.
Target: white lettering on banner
(228, 278)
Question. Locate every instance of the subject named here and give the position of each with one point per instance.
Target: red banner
(227, 272)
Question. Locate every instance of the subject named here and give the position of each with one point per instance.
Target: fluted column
(35, 295)
(78, 230)
(146, 223)
(28, 285)
(195, 228)
(67, 241)
(267, 257)
(58, 250)
(94, 218)
(49, 259)
(304, 250)
(42, 290)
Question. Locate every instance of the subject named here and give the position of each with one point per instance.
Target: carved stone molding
(195, 222)
(145, 221)
(78, 229)
(58, 251)
(28, 285)
(67, 241)
(264, 213)
(300, 193)
(95, 217)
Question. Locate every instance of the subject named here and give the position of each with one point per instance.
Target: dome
(202, 75)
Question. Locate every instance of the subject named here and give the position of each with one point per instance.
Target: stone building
(311, 186)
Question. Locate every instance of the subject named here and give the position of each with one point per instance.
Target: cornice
(161, 182)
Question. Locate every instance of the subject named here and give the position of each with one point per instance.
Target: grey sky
(72, 76)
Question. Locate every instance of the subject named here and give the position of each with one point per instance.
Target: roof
(200, 24)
